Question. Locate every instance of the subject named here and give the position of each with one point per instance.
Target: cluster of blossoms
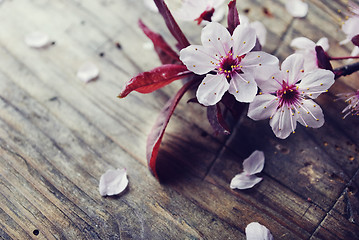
(229, 69)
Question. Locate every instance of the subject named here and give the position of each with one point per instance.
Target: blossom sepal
(355, 40)
(323, 59)
(216, 120)
(147, 82)
(233, 17)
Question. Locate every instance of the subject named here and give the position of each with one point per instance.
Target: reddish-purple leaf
(163, 50)
(355, 40)
(147, 82)
(172, 24)
(155, 137)
(233, 18)
(323, 59)
(215, 118)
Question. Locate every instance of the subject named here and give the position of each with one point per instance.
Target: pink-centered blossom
(352, 99)
(306, 47)
(228, 63)
(286, 97)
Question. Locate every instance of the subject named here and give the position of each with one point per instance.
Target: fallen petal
(37, 40)
(244, 181)
(113, 182)
(256, 231)
(254, 163)
(87, 72)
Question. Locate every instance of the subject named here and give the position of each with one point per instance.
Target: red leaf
(147, 82)
(233, 18)
(172, 24)
(215, 118)
(355, 40)
(164, 51)
(155, 137)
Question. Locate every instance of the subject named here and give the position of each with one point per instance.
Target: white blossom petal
(316, 82)
(261, 64)
(272, 83)
(190, 10)
(37, 40)
(219, 12)
(198, 59)
(283, 122)
(243, 87)
(302, 43)
(256, 231)
(261, 31)
(355, 51)
(113, 182)
(244, 181)
(150, 4)
(310, 114)
(87, 71)
(350, 28)
(262, 107)
(324, 43)
(216, 36)
(211, 90)
(244, 40)
(293, 68)
(296, 8)
(254, 163)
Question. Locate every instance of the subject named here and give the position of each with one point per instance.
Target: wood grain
(58, 135)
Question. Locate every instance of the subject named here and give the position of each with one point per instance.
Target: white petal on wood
(113, 182)
(87, 72)
(244, 181)
(254, 163)
(37, 40)
(256, 231)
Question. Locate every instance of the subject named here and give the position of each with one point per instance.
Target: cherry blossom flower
(350, 27)
(201, 10)
(287, 97)
(256, 231)
(352, 99)
(296, 8)
(228, 61)
(252, 165)
(306, 47)
(113, 182)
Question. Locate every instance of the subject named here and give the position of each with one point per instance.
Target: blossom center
(229, 64)
(288, 95)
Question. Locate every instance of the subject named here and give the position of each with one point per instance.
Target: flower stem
(344, 58)
(346, 70)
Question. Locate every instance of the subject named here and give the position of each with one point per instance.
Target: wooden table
(58, 135)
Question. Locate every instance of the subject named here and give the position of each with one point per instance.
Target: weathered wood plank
(59, 135)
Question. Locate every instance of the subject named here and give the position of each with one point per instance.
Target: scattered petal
(37, 40)
(256, 231)
(113, 182)
(254, 163)
(87, 72)
(244, 181)
(297, 8)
